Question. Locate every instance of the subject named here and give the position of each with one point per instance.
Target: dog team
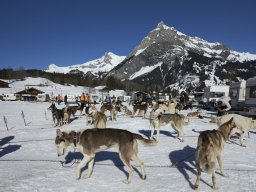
(90, 141)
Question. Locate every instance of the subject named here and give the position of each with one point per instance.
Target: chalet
(4, 84)
(29, 94)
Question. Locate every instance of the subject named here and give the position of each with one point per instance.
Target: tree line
(109, 82)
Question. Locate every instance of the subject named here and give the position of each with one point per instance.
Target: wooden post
(45, 115)
(23, 116)
(5, 121)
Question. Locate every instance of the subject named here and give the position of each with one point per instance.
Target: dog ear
(232, 122)
(59, 133)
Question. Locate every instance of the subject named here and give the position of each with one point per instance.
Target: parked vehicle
(43, 97)
(71, 99)
(163, 98)
(11, 97)
(214, 92)
(124, 98)
(136, 95)
(250, 93)
(237, 95)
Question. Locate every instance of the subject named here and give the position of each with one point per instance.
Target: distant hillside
(72, 79)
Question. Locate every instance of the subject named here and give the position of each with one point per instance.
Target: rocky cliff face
(169, 58)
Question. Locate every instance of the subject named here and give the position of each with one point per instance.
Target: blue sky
(36, 33)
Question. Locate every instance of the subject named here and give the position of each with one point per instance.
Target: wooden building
(29, 94)
(4, 84)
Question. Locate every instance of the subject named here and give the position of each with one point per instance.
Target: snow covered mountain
(169, 58)
(95, 67)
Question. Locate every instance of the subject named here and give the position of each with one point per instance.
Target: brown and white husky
(91, 141)
(209, 148)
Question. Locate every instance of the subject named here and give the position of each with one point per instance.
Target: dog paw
(214, 188)
(87, 176)
(144, 177)
(243, 145)
(77, 177)
(195, 187)
(224, 174)
(126, 182)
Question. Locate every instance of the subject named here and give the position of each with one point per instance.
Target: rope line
(117, 165)
(37, 140)
(24, 141)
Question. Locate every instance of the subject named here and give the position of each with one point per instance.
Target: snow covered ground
(29, 162)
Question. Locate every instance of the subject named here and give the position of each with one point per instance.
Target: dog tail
(145, 142)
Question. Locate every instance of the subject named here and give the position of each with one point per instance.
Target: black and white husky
(57, 114)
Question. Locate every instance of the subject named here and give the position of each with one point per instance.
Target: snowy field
(29, 162)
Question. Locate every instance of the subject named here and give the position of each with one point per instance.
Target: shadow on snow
(7, 149)
(99, 157)
(166, 133)
(184, 161)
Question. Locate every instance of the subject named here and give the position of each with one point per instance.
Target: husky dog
(113, 111)
(141, 108)
(99, 118)
(243, 125)
(66, 115)
(108, 107)
(112, 108)
(57, 114)
(214, 119)
(72, 109)
(65, 118)
(158, 119)
(127, 111)
(194, 113)
(91, 141)
(168, 107)
(210, 146)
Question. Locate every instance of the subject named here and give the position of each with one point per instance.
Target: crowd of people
(222, 104)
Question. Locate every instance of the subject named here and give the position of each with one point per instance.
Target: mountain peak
(161, 24)
(169, 58)
(51, 66)
(170, 35)
(107, 54)
(162, 27)
(104, 64)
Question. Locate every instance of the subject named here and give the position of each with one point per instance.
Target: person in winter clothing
(59, 98)
(65, 99)
(82, 100)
